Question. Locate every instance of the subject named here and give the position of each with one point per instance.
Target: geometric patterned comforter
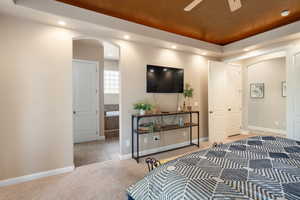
(255, 168)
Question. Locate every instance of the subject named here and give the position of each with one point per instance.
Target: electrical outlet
(196, 103)
(156, 138)
(276, 123)
(127, 143)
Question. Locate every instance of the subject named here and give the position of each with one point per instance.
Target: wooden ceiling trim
(224, 28)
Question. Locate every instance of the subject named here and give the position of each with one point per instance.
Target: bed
(262, 167)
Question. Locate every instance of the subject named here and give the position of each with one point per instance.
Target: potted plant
(142, 107)
(188, 94)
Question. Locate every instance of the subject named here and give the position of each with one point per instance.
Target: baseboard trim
(34, 176)
(245, 132)
(262, 129)
(94, 138)
(101, 137)
(164, 148)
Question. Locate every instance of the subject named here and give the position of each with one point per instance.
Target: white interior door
(85, 101)
(234, 88)
(217, 98)
(225, 100)
(293, 94)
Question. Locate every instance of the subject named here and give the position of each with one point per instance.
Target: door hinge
(96, 111)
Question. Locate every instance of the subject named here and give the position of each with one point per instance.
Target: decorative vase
(142, 112)
(184, 107)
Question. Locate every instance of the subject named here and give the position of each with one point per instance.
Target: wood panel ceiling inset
(210, 21)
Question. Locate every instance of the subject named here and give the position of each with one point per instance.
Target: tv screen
(164, 79)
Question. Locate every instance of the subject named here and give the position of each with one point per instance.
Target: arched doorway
(95, 67)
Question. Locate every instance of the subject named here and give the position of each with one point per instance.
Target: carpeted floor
(101, 181)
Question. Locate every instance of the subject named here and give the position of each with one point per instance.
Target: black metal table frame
(136, 132)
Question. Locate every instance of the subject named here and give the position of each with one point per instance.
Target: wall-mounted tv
(164, 79)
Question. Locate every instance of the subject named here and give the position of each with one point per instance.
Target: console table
(163, 128)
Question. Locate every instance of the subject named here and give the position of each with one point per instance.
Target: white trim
(34, 176)
(270, 130)
(90, 139)
(245, 132)
(101, 137)
(164, 148)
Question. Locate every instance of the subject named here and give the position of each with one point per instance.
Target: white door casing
(225, 100)
(85, 101)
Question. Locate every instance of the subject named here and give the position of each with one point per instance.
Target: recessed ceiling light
(62, 23)
(204, 53)
(126, 37)
(246, 49)
(174, 47)
(285, 13)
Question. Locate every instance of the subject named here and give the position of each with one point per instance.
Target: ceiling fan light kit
(233, 4)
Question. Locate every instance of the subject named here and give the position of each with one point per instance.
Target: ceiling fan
(233, 4)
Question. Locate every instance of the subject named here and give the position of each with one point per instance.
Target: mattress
(262, 167)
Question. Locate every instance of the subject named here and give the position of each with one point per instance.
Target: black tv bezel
(165, 67)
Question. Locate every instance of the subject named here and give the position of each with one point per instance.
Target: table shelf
(136, 132)
(167, 128)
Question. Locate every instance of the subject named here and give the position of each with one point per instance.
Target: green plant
(142, 106)
(188, 91)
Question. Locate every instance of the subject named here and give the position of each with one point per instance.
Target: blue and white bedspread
(255, 168)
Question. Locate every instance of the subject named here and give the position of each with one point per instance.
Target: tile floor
(96, 151)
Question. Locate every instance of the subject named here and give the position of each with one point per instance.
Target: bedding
(260, 168)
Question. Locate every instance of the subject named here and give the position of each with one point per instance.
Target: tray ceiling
(210, 21)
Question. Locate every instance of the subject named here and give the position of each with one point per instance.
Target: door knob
(229, 109)
(74, 112)
(211, 112)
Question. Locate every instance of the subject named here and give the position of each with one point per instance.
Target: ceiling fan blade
(192, 5)
(234, 5)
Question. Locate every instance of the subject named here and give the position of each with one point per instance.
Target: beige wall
(36, 98)
(133, 61)
(86, 49)
(114, 66)
(36, 94)
(269, 112)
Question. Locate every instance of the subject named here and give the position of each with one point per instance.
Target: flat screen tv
(164, 79)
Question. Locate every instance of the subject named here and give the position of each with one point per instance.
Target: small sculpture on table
(152, 163)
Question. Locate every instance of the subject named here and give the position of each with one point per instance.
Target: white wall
(269, 112)
(133, 61)
(112, 65)
(36, 98)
